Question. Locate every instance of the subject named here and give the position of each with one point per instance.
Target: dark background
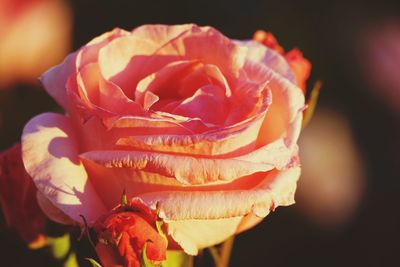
(328, 33)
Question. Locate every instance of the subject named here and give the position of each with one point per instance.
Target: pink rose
(182, 118)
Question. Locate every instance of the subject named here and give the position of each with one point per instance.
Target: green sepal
(93, 262)
(311, 104)
(159, 225)
(175, 258)
(145, 261)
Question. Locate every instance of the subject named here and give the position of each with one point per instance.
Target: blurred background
(347, 210)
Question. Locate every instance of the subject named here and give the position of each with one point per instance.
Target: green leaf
(60, 249)
(93, 262)
(311, 104)
(177, 258)
(159, 224)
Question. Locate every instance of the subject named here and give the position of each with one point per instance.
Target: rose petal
(165, 81)
(224, 142)
(276, 189)
(90, 52)
(187, 170)
(193, 235)
(49, 151)
(259, 53)
(99, 94)
(235, 139)
(206, 44)
(287, 104)
(55, 79)
(276, 153)
(198, 105)
(161, 34)
(214, 209)
(124, 62)
(143, 41)
(51, 211)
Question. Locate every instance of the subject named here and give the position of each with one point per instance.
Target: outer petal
(49, 152)
(161, 34)
(54, 80)
(284, 114)
(193, 235)
(199, 219)
(186, 169)
(54, 213)
(260, 53)
(276, 189)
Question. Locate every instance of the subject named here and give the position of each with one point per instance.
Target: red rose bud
(18, 198)
(300, 66)
(123, 234)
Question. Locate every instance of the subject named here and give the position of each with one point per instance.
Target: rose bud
(195, 125)
(18, 198)
(125, 231)
(300, 66)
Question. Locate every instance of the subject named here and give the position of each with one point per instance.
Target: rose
(18, 199)
(127, 228)
(182, 118)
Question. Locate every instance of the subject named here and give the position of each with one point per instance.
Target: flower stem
(222, 254)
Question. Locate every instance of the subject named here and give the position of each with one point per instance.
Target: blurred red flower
(18, 198)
